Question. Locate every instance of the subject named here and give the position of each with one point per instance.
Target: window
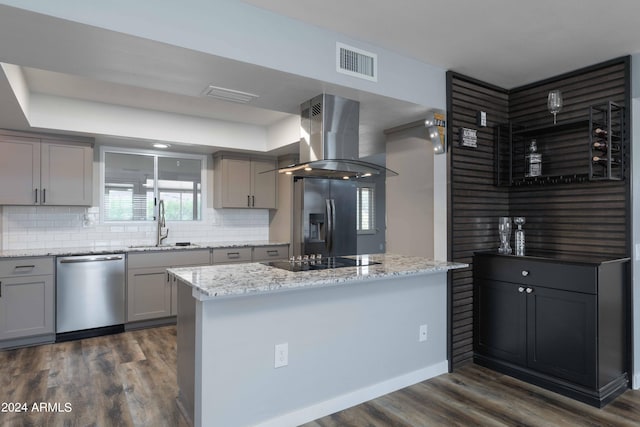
(365, 210)
(134, 181)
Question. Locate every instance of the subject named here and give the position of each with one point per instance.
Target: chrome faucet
(161, 224)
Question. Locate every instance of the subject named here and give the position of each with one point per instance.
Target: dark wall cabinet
(558, 324)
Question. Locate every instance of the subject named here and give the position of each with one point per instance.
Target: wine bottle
(600, 132)
(600, 146)
(598, 159)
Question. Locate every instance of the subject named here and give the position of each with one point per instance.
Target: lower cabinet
(27, 300)
(558, 324)
(270, 253)
(231, 255)
(150, 292)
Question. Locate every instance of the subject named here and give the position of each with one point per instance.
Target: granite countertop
(233, 280)
(97, 250)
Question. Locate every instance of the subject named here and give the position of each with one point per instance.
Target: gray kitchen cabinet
(270, 253)
(245, 182)
(36, 171)
(231, 255)
(27, 301)
(150, 292)
(66, 174)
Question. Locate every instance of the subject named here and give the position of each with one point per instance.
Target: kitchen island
(339, 336)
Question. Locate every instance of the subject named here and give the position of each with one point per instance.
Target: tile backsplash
(34, 227)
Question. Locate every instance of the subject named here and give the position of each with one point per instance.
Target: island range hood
(329, 143)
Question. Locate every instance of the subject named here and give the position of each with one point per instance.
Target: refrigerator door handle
(328, 238)
(333, 224)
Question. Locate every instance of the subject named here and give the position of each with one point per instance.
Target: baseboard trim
(356, 397)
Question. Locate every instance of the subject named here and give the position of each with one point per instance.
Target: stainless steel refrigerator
(324, 217)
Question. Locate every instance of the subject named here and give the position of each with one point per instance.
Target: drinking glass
(504, 230)
(554, 103)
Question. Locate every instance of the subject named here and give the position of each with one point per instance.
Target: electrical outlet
(281, 356)
(423, 333)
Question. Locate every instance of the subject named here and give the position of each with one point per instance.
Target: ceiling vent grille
(356, 62)
(229, 94)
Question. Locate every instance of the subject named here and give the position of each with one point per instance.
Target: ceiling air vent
(356, 62)
(229, 94)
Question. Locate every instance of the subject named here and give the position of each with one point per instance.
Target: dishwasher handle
(92, 259)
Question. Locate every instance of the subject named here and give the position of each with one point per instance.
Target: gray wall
(410, 205)
(347, 344)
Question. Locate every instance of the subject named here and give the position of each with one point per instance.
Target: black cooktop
(324, 264)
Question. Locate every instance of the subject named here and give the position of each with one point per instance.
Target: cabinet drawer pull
(233, 254)
(521, 289)
(23, 267)
(529, 290)
(525, 273)
(272, 252)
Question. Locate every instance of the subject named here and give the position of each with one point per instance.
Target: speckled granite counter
(230, 280)
(97, 250)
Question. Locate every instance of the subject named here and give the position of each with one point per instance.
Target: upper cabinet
(39, 171)
(587, 148)
(245, 182)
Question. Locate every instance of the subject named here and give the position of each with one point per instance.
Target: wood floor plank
(129, 379)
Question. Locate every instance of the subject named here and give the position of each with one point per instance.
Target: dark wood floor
(129, 379)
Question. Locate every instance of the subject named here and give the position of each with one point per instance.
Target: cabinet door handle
(529, 290)
(44, 196)
(248, 201)
(36, 191)
(524, 273)
(521, 289)
(21, 268)
(0, 289)
(253, 201)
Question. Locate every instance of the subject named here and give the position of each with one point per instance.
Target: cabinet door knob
(521, 289)
(529, 290)
(525, 273)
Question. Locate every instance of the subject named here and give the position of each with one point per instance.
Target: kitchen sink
(173, 245)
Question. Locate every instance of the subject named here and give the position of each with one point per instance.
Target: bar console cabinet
(559, 323)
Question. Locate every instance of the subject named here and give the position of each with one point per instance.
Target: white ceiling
(504, 42)
(508, 43)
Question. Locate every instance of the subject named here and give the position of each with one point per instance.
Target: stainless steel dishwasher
(90, 295)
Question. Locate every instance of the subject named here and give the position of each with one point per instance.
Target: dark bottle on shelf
(602, 146)
(598, 159)
(603, 133)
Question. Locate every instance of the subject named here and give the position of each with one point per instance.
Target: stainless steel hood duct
(329, 143)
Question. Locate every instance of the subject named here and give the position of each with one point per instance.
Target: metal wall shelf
(564, 149)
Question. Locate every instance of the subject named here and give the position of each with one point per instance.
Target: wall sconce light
(433, 134)
(554, 103)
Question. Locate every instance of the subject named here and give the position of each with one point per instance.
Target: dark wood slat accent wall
(579, 218)
(475, 202)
